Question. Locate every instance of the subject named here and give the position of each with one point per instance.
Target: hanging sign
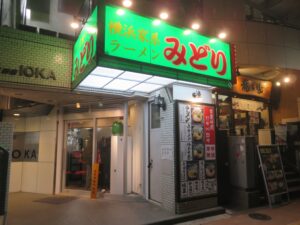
(197, 151)
(134, 37)
(246, 86)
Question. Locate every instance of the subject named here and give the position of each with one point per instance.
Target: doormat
(259, 216)
(56, 200)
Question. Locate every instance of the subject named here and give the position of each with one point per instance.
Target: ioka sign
(84, 52)
(130, 36)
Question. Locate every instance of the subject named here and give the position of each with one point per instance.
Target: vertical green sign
(130, 36)
(84, 52)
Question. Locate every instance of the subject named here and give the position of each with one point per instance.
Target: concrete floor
(127, 210)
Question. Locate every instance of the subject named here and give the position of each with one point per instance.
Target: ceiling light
(160, 81)
(120, 12)
(74, 25)
(134, 76)
(156, 22)
(93, 81)
(127, 3)
(145, 87)
(278, 84)
(100, 104)
(77, 105)
(187, 32)
(286, 80)
(106, 72)
(222, 35)
(195, 26)
(121, 85)
(16, 114)
(164, 15)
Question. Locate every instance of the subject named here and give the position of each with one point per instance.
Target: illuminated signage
(146, 40)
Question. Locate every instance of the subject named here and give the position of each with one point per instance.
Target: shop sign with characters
(130, 36)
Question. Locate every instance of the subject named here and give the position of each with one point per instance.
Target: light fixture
(28, 14)
(222, 35)
(16, 114)
(195, 26)
(286, 80)
(160, 102)
(106, 72)
(187, 32)
(146, 87)
(134, 76)
(164, 15)
(127, 3)
(120, 85)
(77, 105)
(93, 81)
(278, 84)
(74, 25)
(120, 12)
(156, 22)
(100, 104)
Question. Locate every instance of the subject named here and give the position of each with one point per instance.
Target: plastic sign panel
(130, 36)
(84, 52)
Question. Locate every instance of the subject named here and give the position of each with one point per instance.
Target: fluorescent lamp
(93, 81)
(121, 85)
(160, 80)
(145, 87)
(106, 72)
(135, 76)
(28, 14)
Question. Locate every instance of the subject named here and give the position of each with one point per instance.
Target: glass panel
(79, 154)
(155, 116)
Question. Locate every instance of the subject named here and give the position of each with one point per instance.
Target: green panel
(130, 36)
(85, 48)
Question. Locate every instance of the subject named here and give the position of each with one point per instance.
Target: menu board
(272, 169)
(197, 150)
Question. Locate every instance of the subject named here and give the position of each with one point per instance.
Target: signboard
(95, 177)
(85, 47)
(197, 151)
(272, 169)
(199, 95)
(25, 147)
(247, 86)
(131, 36)
(247, 105)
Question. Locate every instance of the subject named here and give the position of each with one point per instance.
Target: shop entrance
(154, 163)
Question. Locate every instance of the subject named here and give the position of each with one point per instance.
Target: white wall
(36, 177)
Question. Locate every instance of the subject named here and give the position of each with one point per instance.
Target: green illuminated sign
(84, 52)
(130, 36)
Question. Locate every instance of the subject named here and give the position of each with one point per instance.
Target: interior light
(222, 35)
(127, 3)
(145, 87)
(28, 14)
(121, 85)
(134, 76)
(106, 72)
(286, 80)
(160, 80)
(164, 15)
(156, 22)
(213, 40)
(195, 26)
(93, 81)
(278, 84)
(120, 12)
(16, 114)
(187, 32)
(77, 105)
(74, 25)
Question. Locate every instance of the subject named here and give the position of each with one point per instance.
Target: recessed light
(195, 26)
(74, 25)
(286, 80)
(164, 15)
(278, 84)
(127, 3)
(222, 35)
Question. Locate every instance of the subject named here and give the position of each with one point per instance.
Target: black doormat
(259, 216)
(56, 200)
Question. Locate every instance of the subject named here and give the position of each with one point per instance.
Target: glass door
(79, 154)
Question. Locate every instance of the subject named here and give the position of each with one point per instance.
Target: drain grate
(259, 216)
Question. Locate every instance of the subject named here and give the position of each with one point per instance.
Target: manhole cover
(259, 216)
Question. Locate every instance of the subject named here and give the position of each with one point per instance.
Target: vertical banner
(197, 151)
(95, 176)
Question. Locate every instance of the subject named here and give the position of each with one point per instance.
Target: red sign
(209, 133)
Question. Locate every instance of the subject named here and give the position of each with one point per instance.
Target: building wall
(36, 177)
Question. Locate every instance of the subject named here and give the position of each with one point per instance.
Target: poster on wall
(197, 150)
